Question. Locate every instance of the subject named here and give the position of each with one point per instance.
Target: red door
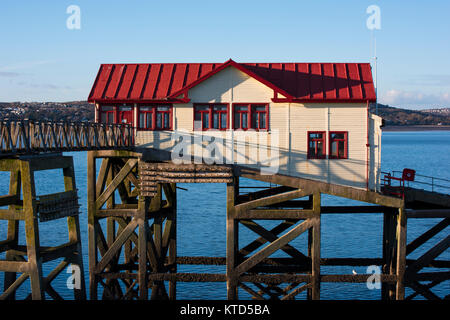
(125, 115)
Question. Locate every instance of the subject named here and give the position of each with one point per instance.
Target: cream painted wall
(289, 124)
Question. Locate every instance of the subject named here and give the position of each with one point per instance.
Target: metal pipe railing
(434, 182)
(431, 181)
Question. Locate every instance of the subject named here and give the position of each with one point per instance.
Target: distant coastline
(417, 128)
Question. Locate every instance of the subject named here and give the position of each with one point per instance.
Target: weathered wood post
(92, 224)
(401, 253)
(34, 210)
(314, 292)
(13, 228)
(389, 252)
(232, 240)
(31, 231)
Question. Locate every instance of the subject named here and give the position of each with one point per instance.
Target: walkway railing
(427, 182)
(397, 181)
(28, 137)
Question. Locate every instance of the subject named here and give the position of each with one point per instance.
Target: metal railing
(28, 137)
(420, 181)
(427, 181)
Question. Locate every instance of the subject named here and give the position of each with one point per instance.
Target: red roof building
(296, 82)
(315, 114)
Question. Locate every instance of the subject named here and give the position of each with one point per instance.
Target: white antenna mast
(374, 22)
(375, 66)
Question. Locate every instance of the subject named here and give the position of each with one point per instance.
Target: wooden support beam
(254, 294)
(263, 193)
(93, 227)
(321, 187)
(232, 240)
(423, 290)
(104, 213)
(429, 213)
(243, 207)
(11, 289)
(413, 245)
(14, 266)
(296, 291)
(272, 247)
(434, 198)
(258, 229)
(100, 201)
(429, 256)
(7, 200)
(31, 231)
(351, 209)
(315, 248)
(102, 175)
(275, 214)
(48, 162)
(356, 278)
(401, 253)
(261, 241)
(142, 248)
(114, 248)
(388, 252)
(12, 214)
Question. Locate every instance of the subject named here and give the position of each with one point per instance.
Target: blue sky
(42, 60)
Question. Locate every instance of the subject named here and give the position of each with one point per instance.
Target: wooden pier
(132, 223)
(146, 180)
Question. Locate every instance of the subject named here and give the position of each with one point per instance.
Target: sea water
(201, 223)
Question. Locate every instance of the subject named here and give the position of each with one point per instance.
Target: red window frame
(322, 139)
(120, 113)
(116, 111)
(339, 141)
(165, 114)
(208, 113)
(241, 114)
(251, 111)
(107, 113)
(144, 112)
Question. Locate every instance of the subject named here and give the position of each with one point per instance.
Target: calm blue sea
(201, 221)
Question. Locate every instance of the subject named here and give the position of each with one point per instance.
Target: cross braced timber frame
(243, 262)
(123, 261)
(414, 278)
(28, 259)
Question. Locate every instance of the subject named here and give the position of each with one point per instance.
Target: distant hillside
(74, 111)
(84, 111)
(441, 111)
(405, 117)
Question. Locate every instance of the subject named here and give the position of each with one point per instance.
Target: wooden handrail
(28, 137)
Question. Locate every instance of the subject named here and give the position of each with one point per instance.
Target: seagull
(354, 272)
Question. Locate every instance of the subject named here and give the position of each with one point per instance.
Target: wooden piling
(34, 210)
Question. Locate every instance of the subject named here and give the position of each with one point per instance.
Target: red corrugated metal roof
(303, 82)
